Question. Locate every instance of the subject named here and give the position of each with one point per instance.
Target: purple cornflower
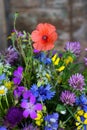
(73, 47)
(18, 75)
(19, 91)
(85, 60)
(13, 117)
(30, 106)
(42, 93)
(51, 121)
(10, 55)
(77, 81)
(68, 97)
(29, 127)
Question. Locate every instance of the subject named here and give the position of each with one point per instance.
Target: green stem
(2, 110)
(15, 17)
(70, 112)
(6, 101)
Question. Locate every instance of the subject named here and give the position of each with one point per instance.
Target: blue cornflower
(2, 77)
(51, 121)
(82, 102)
(43, 58)
(42, 93)
(3, 128)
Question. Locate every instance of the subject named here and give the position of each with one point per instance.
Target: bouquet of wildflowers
(42, 88)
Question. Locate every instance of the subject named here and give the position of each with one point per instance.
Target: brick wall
(69, 17)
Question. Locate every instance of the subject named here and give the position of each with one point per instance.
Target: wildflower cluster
(42, 88)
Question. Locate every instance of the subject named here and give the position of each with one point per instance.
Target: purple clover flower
(10, 55)
(13, 117)
(85, 60)
(73, 47)
(30, 106)
(68, 97)
(51, 121)
(77, 81)
(18, 75)
(42, 93)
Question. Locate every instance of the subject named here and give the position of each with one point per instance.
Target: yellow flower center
(2, 91)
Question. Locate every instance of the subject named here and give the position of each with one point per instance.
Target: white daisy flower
(3, 90)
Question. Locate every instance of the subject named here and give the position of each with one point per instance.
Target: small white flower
(63, 112)
(3, 90)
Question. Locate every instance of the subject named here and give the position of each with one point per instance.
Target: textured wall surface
(69, 17)
(3, 30)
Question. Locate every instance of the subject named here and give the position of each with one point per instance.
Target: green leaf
(60, 108)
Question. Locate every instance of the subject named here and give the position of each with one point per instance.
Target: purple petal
(27, 94)
(15, 73)
(38, 106)
(32, 99)
(33, 114)
(24, 104)
(26, 113)
(20, 69)
(16, 81)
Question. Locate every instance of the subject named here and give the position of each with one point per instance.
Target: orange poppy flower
(44, 37)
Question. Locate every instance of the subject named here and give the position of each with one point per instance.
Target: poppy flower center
(44, 37)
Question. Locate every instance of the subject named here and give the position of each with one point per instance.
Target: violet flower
(19, 91)
(73, 47)
(30, 106)
(13, 117)
(18, 75)
(68, 97)
(77, 81)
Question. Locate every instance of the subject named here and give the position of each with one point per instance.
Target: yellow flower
(79, 127)
(39, 118)
(85, 115)
(68, 60)
(85, 122)
(54, 57)
(80, 112)
(61, 68)
(77, 118)
(8, 84)
(56, 61)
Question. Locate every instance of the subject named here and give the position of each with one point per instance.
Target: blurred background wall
(69, 17)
